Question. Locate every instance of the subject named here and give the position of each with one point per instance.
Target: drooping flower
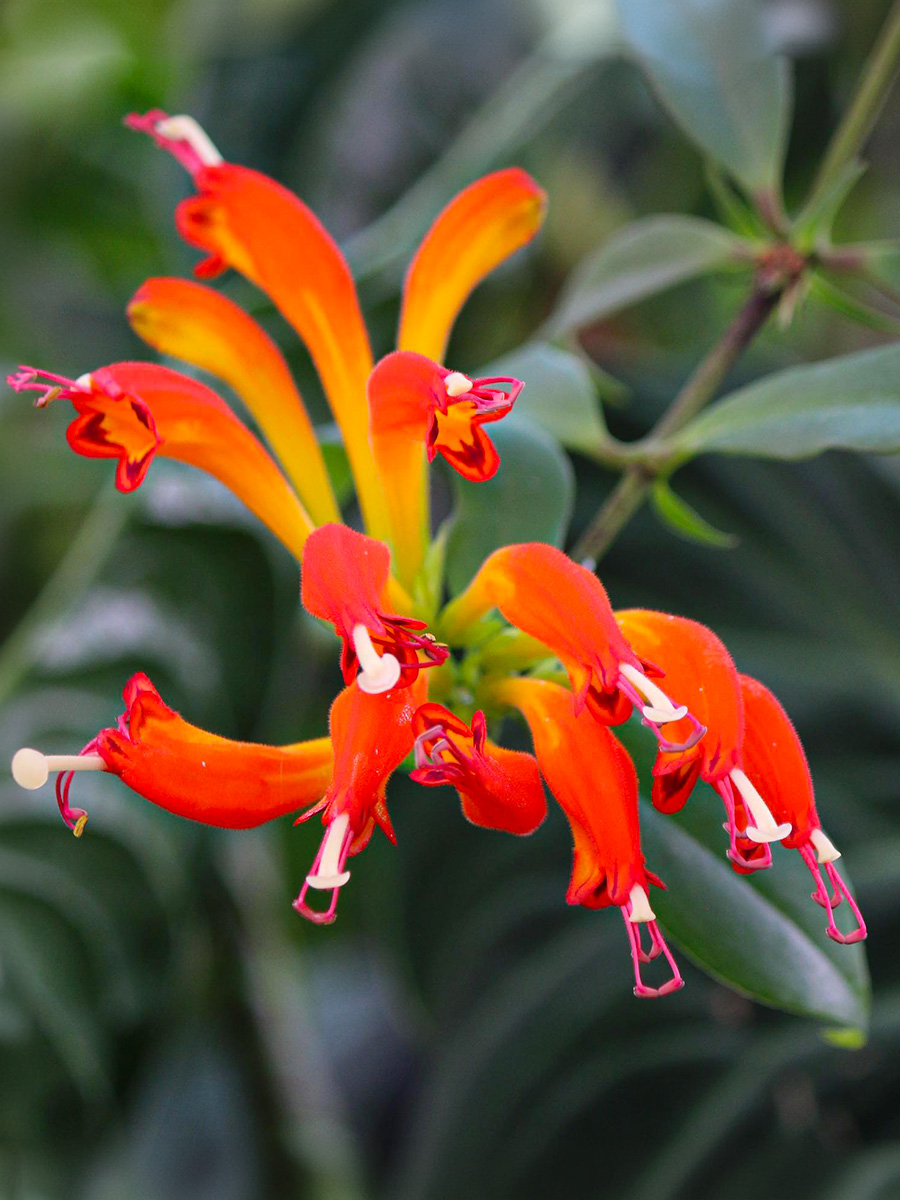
(346, 581)
(498, 788)
(564, 606)
(699, 669)
(370, 735)
(185, 770)
(594, 781)
(774, 758)
(133, 411)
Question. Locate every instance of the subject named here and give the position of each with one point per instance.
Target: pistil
(657, 709)
(766, 828)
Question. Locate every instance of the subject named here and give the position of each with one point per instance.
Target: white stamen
(31, 769)
(185, 129)
(826, 850)
(328, 875)
(85, 381)
(659, 709)
(765, 829)
(457, 384)
(641, 911)
(380, 672)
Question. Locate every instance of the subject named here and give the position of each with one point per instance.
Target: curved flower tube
(542, 592)
(184, 769)
(498, 788)
(419, 410)
(594, 781)
(346, 581)
(698, 667)
(245, 220)
(133, 411)
(774, 757)
(192, 322)
(371, 736)
(481, 227)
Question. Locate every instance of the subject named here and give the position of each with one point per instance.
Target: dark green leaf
(529, 499)
(560, 395)
(710, 63)
(848, 305)
(849, 403)
(761, 935)
(679, 515)
(640, 260)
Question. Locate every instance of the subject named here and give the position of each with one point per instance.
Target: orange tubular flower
(371, 736)
(773, 755)
(419, 410)
(198, 325)
(249, 222)
(345, 580)
(542, 592)
(594, 780)
(246, 221)
(699, 669)
(175, 765)
(498, 788)
(133, 411)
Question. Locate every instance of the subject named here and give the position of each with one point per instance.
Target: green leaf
(640, 260)
(712, 67)
(814, 224)
(678, 515)
(559, 395)
(850, 306)
(529, 499)
(847, 403)
(760, 934)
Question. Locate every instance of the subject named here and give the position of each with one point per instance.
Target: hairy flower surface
(565, 662)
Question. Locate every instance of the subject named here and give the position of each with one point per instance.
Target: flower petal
(207, 778)
(498, 788)
(200, 326)
(479, 228)
(131, 411)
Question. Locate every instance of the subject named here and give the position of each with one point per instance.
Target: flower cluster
(560, 657)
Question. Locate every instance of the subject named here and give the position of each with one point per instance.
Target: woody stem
(631, 490)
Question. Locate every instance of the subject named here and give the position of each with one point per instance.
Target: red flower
(592, 777)
(132, 411)
(498, 788)
(184, 769)
(371, 736)
(564, 606)
(698, 668)
(774, 757)
(346, 580)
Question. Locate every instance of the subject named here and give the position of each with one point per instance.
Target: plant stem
(875, 83)
(631, 490)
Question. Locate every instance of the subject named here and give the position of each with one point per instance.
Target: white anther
(660, 709)
(641, 912)
(85, 381)
(826, 850)
(329, 875)
(379, 672)
(765, 829)
(185, 129)
(31, 769)
(457, 384)
(662, 716)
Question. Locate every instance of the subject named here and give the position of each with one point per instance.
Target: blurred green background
(168, 1026)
